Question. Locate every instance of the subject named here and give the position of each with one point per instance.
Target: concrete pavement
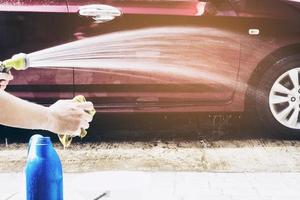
(138, 185)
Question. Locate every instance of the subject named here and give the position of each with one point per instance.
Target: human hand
(69, 116)
(4, 79)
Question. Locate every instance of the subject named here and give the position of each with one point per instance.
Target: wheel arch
(270, 59)
(263, 65)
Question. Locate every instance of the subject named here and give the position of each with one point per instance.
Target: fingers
(71, 116)
(74, 133)
(87, 117)
(83, 108)
(3, 84)
(6, 76)
(77, 132)
(84, 125)
(4, 79)
(84, 119)
(85, 105)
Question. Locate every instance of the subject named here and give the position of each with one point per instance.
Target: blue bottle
(33, 139)
(43, 171)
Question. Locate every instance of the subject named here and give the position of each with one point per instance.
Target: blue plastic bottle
(43, 171)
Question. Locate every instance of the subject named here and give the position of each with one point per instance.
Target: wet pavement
(138, 185)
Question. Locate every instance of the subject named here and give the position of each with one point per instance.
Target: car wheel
(277, 97)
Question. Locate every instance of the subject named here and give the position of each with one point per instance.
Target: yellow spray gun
(17, 62)
(21, 62)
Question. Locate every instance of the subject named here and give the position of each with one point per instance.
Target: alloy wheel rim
(284, 99)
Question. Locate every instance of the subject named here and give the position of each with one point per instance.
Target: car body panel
(27, 32)
(129, 7)
(235, 60)
(54, 6)
(255, 49)
(169, 7)
(203, 54)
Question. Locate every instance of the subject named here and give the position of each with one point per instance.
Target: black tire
(260, 98)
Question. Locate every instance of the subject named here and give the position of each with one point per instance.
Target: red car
(230, 56)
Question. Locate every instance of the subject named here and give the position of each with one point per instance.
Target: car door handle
(100, 12)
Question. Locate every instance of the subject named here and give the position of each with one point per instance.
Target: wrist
(48, 123)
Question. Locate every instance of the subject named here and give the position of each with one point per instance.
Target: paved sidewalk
(123, 185)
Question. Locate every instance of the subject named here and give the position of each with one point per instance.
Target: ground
(141, 185)
(245, 155)
(170, 169)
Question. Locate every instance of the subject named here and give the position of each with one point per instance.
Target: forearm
(19, 113)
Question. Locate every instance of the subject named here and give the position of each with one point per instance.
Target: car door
(194, 49)
(28, 26)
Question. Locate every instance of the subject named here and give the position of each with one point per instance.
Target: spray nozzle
(18, 62)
